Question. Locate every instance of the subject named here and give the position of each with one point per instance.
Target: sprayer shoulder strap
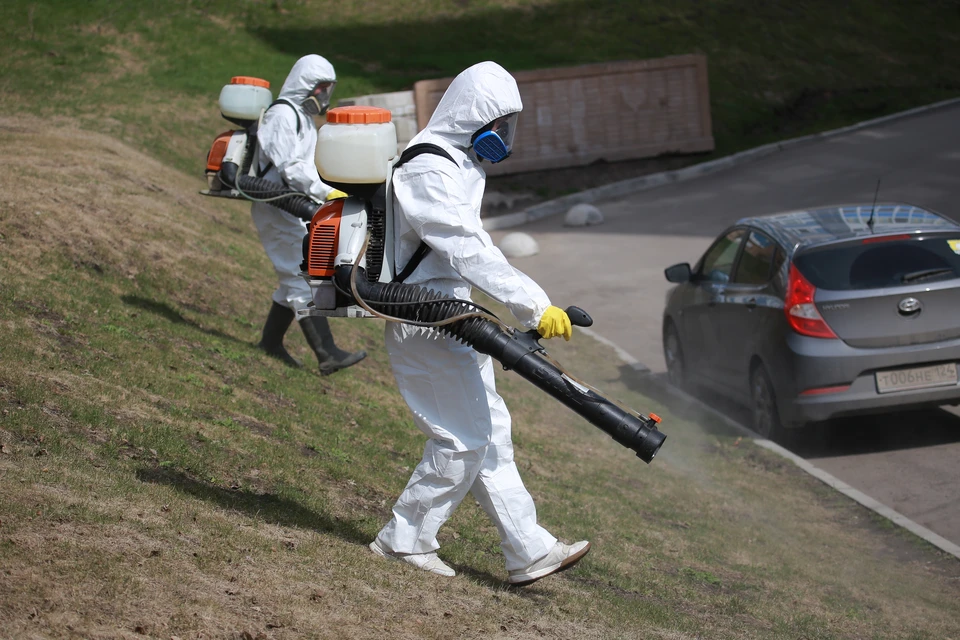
(296, 113)
(409, 154)
(418, 149)
(289, 104)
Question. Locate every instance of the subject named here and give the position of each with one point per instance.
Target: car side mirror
(678, 273)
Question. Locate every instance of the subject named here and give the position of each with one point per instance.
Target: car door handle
(751, 303)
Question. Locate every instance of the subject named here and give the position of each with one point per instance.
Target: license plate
(940, 375)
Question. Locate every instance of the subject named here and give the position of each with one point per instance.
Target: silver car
(809, 315)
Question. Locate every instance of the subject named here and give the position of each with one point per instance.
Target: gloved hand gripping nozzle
(515, 350)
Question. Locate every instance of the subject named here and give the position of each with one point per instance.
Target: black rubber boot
(278, 321)
(331, 359)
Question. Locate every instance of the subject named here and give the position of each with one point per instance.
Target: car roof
(806, 227)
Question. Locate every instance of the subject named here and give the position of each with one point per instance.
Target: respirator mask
(494, 142)
(318, 100)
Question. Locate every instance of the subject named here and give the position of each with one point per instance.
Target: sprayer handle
(579, 317)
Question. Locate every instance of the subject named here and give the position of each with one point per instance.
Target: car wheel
(673, 354)
(766, 417)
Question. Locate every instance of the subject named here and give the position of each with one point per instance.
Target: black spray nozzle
(519, 351)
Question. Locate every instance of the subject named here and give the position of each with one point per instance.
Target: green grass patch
(150, 73)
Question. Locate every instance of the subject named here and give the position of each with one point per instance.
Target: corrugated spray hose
(515, 350)
(260, 190)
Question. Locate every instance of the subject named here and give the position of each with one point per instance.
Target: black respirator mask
(318, 100)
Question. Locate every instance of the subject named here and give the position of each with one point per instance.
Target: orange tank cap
(655, 418)
(257, 82)
(358, 115)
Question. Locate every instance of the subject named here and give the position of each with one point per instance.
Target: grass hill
(161, 478)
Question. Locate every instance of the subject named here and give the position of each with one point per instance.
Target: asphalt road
(910, 462)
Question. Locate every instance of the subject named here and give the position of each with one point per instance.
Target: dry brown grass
(97, 201)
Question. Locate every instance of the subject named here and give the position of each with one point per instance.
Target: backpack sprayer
(243, 103)
(349, 261)
(232, 170)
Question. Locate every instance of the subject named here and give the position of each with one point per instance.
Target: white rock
(519, 245)
(583, 215)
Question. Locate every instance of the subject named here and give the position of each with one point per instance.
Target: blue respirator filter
(489, 146)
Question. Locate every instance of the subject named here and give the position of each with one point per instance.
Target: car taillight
(801, 312)
(872, 239)
(821, 391)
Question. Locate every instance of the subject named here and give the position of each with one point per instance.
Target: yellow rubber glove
(336, 193)
(555, 322)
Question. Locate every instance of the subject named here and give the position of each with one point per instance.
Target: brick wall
(611, 111)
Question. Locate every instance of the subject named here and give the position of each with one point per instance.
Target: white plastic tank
(245, 97)
(356, 145)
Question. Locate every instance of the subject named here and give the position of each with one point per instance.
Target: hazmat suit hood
(479, 95)
(303, 77)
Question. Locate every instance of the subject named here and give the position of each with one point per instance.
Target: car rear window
(875, 263)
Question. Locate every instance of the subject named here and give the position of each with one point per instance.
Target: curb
(642, 183)
(835, 483)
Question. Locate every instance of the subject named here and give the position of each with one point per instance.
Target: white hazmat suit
(286, 141)
(448, 386)
(289, 154)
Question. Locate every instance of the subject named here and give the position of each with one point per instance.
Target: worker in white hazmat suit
(287, 138)
(448, 386)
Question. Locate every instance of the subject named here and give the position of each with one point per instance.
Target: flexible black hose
(294, 203)
(635, 432)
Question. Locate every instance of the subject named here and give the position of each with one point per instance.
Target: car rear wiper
(924, 274)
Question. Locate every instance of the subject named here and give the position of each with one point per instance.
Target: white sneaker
(560, 558)
(426, 561)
